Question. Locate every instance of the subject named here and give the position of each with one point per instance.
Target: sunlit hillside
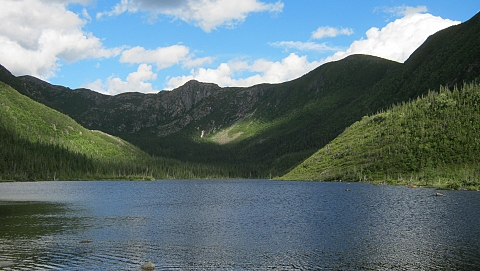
(432, 141)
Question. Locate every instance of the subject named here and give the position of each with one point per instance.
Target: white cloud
(210, 14)
(135, 82)
(163, 57)
(399, 39)
(304, 46)
(326, 31)
(291, 67)
(34, 42)
(264, 71)
(96, 85)
(206, 14)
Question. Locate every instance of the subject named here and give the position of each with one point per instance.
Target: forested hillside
(432, 141)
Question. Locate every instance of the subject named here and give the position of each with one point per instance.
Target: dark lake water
(236, 225)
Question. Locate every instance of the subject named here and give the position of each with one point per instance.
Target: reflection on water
(236, 225)
(30, 229)
(29, 219)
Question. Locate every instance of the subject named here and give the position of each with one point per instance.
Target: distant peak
(192, 81)
(196, 84)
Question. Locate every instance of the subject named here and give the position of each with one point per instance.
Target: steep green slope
(38, 143)
(432, 141)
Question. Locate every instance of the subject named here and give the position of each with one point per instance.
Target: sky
(116, 46)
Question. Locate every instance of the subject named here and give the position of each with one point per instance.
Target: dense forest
(431, 141)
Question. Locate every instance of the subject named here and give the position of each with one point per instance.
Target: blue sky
(115, 46)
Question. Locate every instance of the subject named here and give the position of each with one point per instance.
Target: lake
(236, 225)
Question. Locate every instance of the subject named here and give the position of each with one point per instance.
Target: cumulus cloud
(327, 31)
(135, 82)
(264, 71)
(206, 14)
(398, 39)
(44, 38)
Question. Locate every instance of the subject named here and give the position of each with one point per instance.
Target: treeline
(431, 141)
(21, 160)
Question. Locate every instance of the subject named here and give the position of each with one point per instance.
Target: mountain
(268, 129)
(251, 131)
(431, 141)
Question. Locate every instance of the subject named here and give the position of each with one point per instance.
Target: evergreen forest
(431, 141)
